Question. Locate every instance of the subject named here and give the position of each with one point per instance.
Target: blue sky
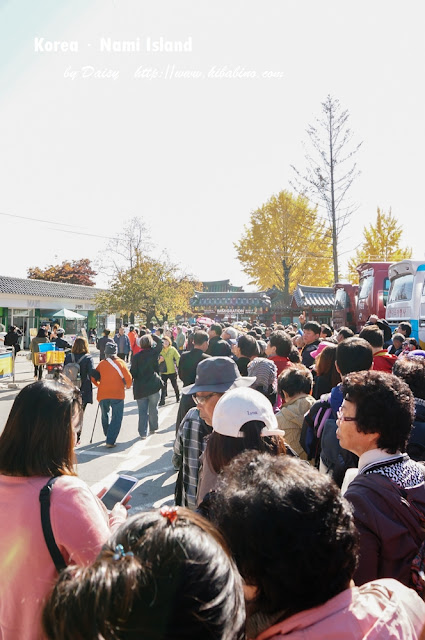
(194, 157)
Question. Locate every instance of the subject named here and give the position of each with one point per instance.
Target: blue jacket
(117, 339)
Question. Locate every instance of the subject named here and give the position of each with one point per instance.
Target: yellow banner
(6, 364)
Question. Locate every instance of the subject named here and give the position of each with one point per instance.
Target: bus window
(365, 287)
(341, 300)
(386, 289)
(401, 288)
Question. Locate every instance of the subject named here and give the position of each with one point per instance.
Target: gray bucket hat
(111, 348)
(218, 374)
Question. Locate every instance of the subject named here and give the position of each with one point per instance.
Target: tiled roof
(230, 294)
(219, 286)
(314, 296)
(45, 289)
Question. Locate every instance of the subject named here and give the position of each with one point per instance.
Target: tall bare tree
(329, 173)
(123, 251)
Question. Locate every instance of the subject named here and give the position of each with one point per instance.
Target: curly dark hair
(295, 379)
(384, 405)
(175, 581)
(412, 371)
(290, 531)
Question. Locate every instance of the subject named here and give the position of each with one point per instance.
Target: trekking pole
(92, 433)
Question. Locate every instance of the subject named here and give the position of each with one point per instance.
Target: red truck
(374, 284)
(344, 313)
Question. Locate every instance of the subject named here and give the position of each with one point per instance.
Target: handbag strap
(116, 367)
(46, 524)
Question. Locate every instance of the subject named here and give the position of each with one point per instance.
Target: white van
(406, 297)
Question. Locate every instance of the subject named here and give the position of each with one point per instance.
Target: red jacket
(281, 363)
(383, 361)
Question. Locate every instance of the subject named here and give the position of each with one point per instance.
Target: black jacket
(61, 343)
(188, 363)
(145, 371)
(306, 358)
(242, 364)
(11, 339)
(101, 343)
(86, 371)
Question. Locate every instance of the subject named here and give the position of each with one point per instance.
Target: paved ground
(148, 460)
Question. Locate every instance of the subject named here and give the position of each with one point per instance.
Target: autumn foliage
(70, 272)
(286, 234)
(381, 243)
(151, 288)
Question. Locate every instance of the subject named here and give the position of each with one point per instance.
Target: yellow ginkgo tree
(286, 242)
(381, 243)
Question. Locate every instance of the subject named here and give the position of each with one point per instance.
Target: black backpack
(334, 457)
(312, 428)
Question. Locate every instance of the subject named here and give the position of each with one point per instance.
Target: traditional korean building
(219, 286)
(219, 300)
(316, 302)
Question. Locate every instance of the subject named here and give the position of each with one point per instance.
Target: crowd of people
(299, 501)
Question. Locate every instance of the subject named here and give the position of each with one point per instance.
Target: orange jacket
(132, 337)
(111, 386)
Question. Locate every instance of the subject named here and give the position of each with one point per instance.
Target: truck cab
(344, 313)
(374, 284)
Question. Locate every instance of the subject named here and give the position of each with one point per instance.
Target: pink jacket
(380, 610)
(27, 573)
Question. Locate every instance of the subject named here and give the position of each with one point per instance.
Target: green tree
(381, 244)
(154, 288)
(330, 169)
(285, 243)
(70, 271)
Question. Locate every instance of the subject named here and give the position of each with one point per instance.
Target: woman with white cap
(243, 419)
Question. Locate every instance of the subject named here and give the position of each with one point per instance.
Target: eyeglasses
(201, 400)
(342, 418)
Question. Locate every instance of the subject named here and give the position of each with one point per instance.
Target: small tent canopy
(67, 314)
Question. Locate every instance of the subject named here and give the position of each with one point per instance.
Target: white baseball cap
(241, 405)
